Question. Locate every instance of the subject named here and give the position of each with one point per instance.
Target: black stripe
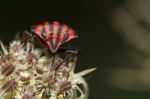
(58, 34)
(51, 27)
(43, 32)
(51, 34)
(76, 34)
(59, 30)
(52, 44)
(66, 36)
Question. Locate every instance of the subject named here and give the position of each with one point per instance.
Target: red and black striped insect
(52, 34)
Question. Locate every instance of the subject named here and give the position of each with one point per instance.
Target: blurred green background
(101, 45)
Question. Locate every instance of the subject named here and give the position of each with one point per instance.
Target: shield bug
(52, 34)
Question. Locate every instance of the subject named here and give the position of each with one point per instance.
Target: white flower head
(16, 48)
(26, 73)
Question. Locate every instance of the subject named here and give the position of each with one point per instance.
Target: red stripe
(47, 29)
(64, 28)
(71, 35)
(55, 30)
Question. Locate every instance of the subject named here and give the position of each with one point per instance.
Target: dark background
(98, 42)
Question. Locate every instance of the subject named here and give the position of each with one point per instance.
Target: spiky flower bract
(27, 73)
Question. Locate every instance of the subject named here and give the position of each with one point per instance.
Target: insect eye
(30, 33)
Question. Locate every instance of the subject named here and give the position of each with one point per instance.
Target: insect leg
(32, 40)
(68, 57)
(24, 36)
(71, 53)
